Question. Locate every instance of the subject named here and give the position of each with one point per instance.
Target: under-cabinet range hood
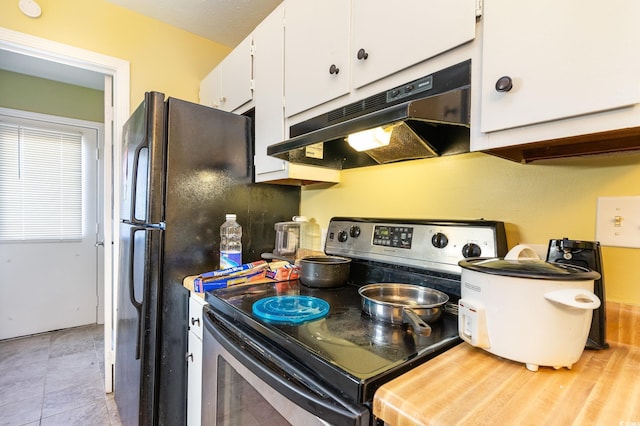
(424, 118)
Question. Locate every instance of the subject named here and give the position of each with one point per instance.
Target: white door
(49, 280)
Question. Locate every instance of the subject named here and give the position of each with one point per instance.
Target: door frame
(118, 69)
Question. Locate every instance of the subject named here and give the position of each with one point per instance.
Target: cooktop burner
(347, 349)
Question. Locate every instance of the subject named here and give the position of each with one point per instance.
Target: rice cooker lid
(530, 268)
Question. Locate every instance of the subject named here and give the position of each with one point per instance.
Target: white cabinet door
(210, 88)
(394, 38)
(195, 315)
(316, 52)
(194, 360)
(229, 85)
(236, 77)
(268, 71)
(194, 381)
(564, 59)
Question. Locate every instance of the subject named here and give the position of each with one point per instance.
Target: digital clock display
(393, 236)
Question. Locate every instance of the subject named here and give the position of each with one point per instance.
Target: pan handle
(419, 326)
(271, 256)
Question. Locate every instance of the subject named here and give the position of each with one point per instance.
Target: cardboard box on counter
(283, 271)
(247, 273)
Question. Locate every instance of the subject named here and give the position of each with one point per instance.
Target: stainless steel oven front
(246, 381)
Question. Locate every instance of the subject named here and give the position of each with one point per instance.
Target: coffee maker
(586, 254)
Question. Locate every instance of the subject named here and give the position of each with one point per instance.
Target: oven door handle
(322, 403)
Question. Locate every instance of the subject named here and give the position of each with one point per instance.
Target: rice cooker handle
(574, 298)
(521, 252)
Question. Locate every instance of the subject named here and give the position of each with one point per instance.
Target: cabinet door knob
(362, 54)
(504, 84)
(333, 69)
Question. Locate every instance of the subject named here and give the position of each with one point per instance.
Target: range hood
(423, 118)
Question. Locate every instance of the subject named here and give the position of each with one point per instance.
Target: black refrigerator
(184, 166)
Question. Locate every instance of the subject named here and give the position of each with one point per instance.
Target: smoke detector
(30, 8)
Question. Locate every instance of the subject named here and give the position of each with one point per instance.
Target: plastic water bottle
(230, 243)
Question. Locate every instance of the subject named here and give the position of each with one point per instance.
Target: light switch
(618, 221)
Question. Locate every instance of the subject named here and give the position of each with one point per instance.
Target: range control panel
(392, 236)
(436, 245)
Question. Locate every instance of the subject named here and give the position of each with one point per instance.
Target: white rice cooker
(525, 309)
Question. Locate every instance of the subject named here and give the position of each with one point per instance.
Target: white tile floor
(55, 378)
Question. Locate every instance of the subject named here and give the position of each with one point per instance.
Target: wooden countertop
(470, 386)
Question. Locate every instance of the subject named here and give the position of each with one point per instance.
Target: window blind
(40, 184)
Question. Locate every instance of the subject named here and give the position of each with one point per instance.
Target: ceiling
(226, 22)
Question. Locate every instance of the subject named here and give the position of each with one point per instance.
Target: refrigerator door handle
(134, 183)
(132, 296)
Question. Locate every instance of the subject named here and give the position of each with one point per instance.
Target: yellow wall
(162, 57)
(538, 202)
(27, 93)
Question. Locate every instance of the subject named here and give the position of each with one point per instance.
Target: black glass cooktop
(345, 348)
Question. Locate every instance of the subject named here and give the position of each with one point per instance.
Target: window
(40, 184)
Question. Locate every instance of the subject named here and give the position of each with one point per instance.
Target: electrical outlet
(618, 221)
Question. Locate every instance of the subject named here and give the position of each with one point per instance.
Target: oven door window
(239, 403)
(246, 383)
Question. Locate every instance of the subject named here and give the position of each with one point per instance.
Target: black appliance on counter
(328, 370)
(588, 255)
(184, 166)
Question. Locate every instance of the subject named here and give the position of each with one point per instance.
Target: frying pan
(403, 304)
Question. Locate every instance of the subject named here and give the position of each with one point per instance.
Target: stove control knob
(343, 236)
(471, 250)
(439, 240)
(354, 231)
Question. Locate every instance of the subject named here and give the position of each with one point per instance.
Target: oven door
(246, 382)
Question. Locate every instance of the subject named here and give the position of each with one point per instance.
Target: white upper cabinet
(316, 52)
(210, 89)
(268, 71)
(548, 60)
(388, 37)
(230, 85)
(336, 46)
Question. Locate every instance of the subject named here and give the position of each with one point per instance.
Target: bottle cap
(230, 216)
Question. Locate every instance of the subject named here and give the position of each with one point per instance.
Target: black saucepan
(320, 271)
(324, 271)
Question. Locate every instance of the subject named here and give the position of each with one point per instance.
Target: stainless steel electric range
(326, 371)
